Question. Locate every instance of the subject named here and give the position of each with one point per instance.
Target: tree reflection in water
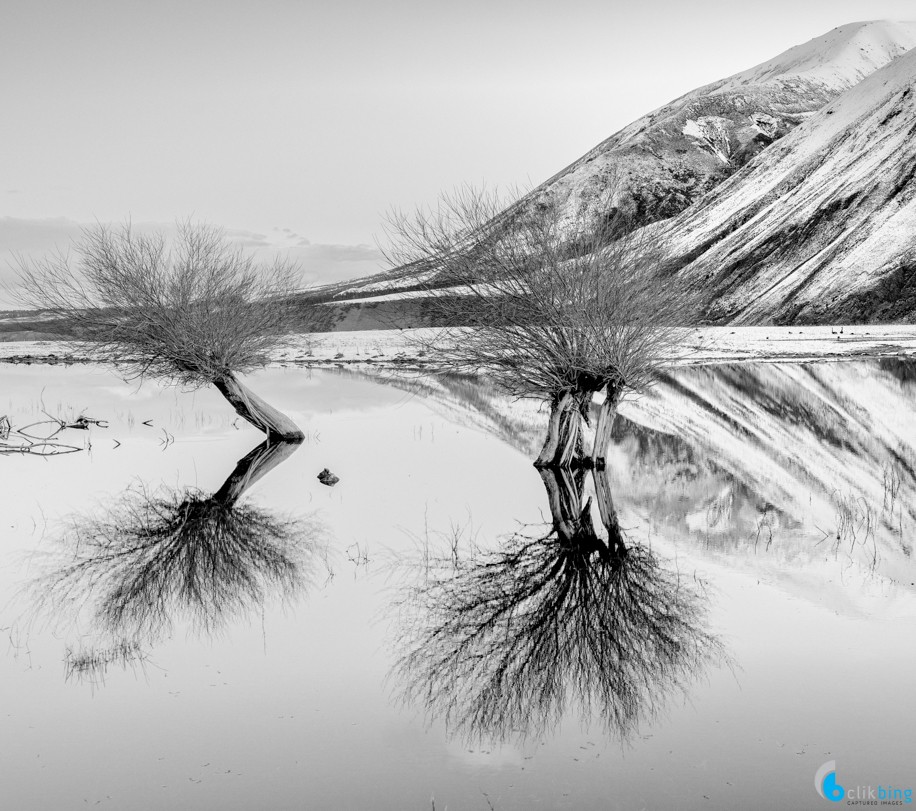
(154, 558)
(501, 643)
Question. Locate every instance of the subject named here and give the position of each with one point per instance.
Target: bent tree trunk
(259, 413)
(252, 467)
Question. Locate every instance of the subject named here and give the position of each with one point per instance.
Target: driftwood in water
(25, 440)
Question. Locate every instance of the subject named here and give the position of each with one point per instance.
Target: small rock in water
(328, 478)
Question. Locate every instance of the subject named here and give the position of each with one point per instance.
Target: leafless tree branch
(545, 305)
(192, 312)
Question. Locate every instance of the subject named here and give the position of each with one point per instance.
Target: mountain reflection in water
(501, 643)
(784, 464)
(152, 560)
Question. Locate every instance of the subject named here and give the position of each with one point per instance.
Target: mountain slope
(661, 163)
(802, 473)
(820, 226)
(753, 176)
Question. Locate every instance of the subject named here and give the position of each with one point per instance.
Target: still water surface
(190, 621)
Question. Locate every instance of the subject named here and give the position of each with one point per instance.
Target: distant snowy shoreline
(394, 348)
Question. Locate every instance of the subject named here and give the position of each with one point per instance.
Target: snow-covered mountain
(820, 226)
(785, 191)
(664, 161)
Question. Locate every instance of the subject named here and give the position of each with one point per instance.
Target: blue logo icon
(826, 784)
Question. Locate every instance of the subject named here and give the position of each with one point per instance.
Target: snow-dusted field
(731, 344)
(710, 345)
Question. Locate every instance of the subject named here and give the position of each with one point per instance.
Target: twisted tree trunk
(570, 450)
(258, 412)
(564, 446)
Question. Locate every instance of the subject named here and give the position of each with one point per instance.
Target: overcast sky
(299, 124)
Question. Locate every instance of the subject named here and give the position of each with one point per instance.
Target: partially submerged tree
(546, 306)
(192, 313)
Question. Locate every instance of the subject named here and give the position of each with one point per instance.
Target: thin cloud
(345, 253)
(321, 263)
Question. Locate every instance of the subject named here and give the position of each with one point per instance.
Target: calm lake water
(446, 628)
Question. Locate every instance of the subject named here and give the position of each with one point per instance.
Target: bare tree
(547, 305)
(195, 312)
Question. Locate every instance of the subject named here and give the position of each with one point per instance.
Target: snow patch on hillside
(714, 133)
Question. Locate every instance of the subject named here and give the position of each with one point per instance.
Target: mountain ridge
(807, 228)
(743, 182)
(734, 117)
